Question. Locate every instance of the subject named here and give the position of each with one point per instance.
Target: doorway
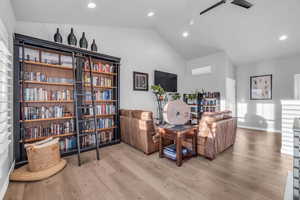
(231, 96)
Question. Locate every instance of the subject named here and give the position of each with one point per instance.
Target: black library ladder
(80, 96)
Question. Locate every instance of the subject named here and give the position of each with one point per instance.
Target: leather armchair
(138, 130)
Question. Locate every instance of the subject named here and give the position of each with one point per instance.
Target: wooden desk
(177, 134)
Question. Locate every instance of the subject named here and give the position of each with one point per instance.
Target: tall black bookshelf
(201, 102)
(65, 92)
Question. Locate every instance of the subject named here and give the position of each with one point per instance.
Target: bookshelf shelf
(100, 116)
(99, 129)
(49, 101)
(69, 80)
(102, 101)
(47, 83)
(103, 73)
(48, 65)
(45, 137)
(101, 87)
(46, 119)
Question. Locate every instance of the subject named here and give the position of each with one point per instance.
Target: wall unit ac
(202, 70)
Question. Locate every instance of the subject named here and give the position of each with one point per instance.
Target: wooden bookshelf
(60, 81)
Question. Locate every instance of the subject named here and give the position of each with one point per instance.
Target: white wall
(266, 114)
(7, 23)
(222, 68)
(140, 50)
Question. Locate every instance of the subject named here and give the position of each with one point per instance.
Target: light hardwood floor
(252, 169)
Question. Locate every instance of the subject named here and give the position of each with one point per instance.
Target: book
(170, 151)
(43, 112)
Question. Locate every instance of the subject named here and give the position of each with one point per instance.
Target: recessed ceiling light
(151, 14)
(91, 5)
(185, 34)
(192, 22)
(283, 37)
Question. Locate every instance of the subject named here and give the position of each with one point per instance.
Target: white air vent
(201, 70)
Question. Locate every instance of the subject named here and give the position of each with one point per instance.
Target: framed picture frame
(261, 87)
(140, 81)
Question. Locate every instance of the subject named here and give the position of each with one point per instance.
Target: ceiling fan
(241, 3)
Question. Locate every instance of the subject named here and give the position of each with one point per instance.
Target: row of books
(51, 130)
(41, 77)
(208, 102)
(43, 112)
(102, 109)
(90, 140)
(41, 94)
(211, 94)
(69, 143)
(208, 109)
(99, 95)
(100, 67)
(99, 81)
(100, 123)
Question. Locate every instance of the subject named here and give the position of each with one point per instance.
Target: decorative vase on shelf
(72, 38)
(83, 43)
(94, 46)
(57, 36)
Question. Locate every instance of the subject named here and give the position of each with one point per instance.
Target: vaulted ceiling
(245, 35)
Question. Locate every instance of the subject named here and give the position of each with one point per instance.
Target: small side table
(178, 134)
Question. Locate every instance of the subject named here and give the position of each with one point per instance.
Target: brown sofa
(137, 130)
(217, 132)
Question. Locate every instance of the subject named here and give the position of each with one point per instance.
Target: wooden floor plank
(252, 169)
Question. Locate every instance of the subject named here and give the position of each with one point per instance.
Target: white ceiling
(245, 35)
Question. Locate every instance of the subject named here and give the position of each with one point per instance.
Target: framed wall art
(140, 81)
(261, 87)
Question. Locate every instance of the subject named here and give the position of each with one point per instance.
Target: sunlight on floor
(242, 109)
(267, 112)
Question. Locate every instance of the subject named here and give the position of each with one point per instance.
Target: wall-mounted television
(168, 81)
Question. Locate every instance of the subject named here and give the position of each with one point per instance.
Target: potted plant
(160, 95)
(175, 96)
(158, 91)
(192, 98)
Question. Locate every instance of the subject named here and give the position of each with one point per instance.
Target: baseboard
(5, 185)
(259, 129)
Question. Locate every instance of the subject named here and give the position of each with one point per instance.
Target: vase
(57, 36)
(94, 46)
(83, 43)
(72, 38)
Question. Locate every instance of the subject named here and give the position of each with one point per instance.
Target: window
(5, 106)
